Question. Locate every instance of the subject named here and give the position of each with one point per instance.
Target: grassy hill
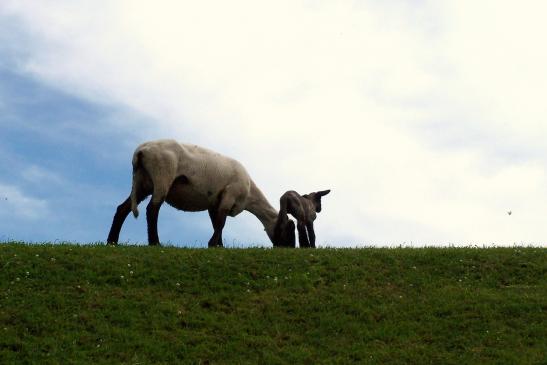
(140, 305)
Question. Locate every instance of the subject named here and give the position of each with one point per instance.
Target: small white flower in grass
(128, 265)
(121, 277)
(177, 284)
(275, 278)
(17, 279)
(37, 255)
(131, 273)
(27, 273)
(248, 290)
(53, 259)
(180, 313)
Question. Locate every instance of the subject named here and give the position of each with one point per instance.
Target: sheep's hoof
(215, 244)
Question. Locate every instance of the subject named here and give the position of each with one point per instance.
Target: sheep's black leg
(122, 212)
(218, 217)
(302, 235)
(152, 212)
(311, 234)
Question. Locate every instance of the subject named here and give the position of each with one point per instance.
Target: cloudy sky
(427, 119)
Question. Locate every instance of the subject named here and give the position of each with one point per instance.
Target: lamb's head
(284, 235)
(316, 198)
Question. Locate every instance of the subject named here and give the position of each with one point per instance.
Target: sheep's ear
(317, 199)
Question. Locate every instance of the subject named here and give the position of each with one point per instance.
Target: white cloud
(496, 54)
(411, 112)
(16, 203)
(39, 175)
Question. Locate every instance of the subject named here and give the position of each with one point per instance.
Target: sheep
(304, 209)
(193, 178)
(283, 228)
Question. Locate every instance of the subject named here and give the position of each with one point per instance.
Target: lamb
(193, 178)
(304, 209)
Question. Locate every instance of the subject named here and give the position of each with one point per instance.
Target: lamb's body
(304, 209)
(192, 178)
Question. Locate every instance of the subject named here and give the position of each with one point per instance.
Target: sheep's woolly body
(193, 178)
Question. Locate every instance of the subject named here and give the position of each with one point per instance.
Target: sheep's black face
(317, 204)
(289, 235)
(316, 198)
(284, 235)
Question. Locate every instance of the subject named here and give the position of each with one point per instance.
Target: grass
(142, 305)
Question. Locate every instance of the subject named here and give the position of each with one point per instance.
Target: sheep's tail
(137, 166)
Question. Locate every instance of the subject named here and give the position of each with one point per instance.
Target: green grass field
(63, 304)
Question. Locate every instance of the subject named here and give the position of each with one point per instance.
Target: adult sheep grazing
(193, 178)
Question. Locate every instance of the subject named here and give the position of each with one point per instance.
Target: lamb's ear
(322, 193)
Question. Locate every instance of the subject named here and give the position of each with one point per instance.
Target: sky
(426, 119)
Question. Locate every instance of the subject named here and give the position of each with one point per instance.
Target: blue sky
(62, 183)
(426, 119)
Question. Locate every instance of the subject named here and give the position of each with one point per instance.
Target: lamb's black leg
(302, 235)
(152, 212)
(311, 234)
(218, 218)
(122, 212)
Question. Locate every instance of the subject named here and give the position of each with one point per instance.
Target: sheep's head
(284, 235)
(316, 198)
